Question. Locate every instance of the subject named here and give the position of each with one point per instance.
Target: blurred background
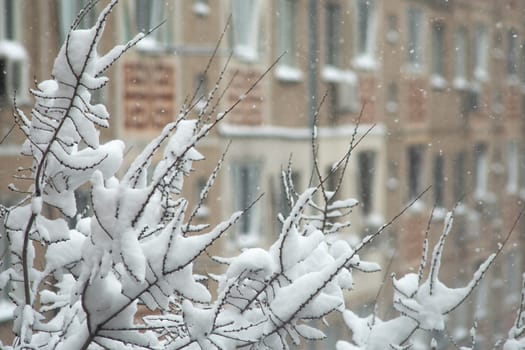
(437, 86)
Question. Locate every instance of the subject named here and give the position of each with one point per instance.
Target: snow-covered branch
(134, 254)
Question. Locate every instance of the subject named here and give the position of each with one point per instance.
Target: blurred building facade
(441, 87)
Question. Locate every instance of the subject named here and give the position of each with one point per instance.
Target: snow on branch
(123, 275)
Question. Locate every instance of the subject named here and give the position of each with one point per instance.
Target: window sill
(365, 62)
(483, 197)
(245, 53)
(148, 44)
(203, 212)
(481, 75)
(12, 50)
(392, 36)
(201, 9)
(247, 240)
(414, 68)
(417, 207)
(460, 84)
(512, 189)
(392, 107)
(438, 82)
(513, 80)
(331, 74)
(374, 221)
(439, 214)
(288, 74)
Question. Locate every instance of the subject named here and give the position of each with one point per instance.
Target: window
(69, 10)
(480, 170)
(392, 104)
(513, 275)
(365, 21)
(245, 185)
(245, 29)
(392, 35)
(415, 170)
(439, 181)
(460, 59)
(146, 12)
(286, 69)
(459, 177)
(512, 167)
(481, 48)
(438, 54)
(287, 28)
(415, 37)
(148, 15)
(7, 20)
(201, 86)
(512, 53)
(333, 35)
(13, 56)
(366, 180)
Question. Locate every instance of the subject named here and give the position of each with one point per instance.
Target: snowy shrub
(139, 247)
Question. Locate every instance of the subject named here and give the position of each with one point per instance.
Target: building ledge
(300, 133)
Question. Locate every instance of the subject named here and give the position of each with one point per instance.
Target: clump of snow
(438, 82)
(13, 50)
(366, 62)
(201, 8)
(288, 73)
(336, 75)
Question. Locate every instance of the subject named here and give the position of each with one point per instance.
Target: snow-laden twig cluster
(423, 305)
(135, 254)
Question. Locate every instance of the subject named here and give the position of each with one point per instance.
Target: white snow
(276, 132)
(366, 62)
(201, 8)
(336, 75)
(287, 73)
(438, 82)
(13, 50)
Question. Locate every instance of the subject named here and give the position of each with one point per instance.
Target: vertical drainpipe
(311, 98)
(312, 61)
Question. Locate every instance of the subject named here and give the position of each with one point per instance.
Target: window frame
(415, 36)
(415, 167)
(481, 175)
(460, 58)
(161, 36)
(512, 162)
(512, 58)
(438, 55)
(480, 53)
(365, 43)
(245, 18)
(333, 32)
(14, 56)
(438, 173)
(246, 180)
(367, 161)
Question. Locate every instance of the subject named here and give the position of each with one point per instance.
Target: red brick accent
(416, 100)
(149, 93)
(368, 95)
(249, 110)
